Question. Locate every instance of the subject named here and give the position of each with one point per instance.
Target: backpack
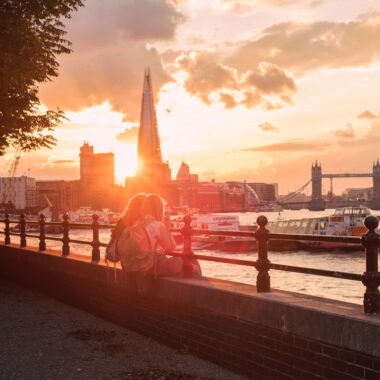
(112, 253)
(111, 249)
(133, 259)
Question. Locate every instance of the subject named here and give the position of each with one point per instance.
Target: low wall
(277, 335)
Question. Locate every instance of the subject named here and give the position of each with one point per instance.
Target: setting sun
(125, 161)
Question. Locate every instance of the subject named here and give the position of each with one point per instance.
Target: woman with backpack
(143, 245)
(131, 216)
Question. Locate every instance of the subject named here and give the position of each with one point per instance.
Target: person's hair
(133, 211)
(154, 206)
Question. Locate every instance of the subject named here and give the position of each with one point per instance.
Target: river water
(345, 290)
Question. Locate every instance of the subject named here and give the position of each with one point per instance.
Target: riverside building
(97, 179)
(18, 193)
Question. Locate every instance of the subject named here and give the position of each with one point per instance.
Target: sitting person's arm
(165, 239)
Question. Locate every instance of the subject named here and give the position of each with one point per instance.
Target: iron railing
(370, 241)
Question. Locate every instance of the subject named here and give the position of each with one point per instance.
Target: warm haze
(248, 90)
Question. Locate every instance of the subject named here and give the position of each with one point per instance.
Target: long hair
(153, 205)
(133, 211)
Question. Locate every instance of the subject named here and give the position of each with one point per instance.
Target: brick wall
(208, 319)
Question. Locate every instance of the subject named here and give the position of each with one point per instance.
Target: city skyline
(213, 102)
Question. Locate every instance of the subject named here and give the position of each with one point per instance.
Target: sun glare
(125, 161)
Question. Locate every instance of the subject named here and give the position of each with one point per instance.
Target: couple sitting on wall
(140, 240)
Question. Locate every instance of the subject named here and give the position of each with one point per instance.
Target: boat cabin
(355, 211)
(210, 222)
(346, 221)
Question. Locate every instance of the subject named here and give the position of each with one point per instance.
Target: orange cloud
(268, 127)
(110, 52)
(290, 146)
(308, 46)
(250, 4)
(266, 85)
(64, 162)
(227, 99)
(368, 115)
(346, 133)
(129, 135)
(39, 165)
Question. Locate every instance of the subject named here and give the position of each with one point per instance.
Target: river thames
(344, 290)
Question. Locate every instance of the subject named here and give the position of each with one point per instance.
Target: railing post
(262, 263)
(371, 277)
(7, 238)
(22, 230)
(42, 244)
(95, 239)
(65, 238)
(187, 266)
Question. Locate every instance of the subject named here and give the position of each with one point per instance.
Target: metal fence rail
(370, 241)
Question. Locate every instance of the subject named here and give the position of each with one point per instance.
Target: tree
(31, 38)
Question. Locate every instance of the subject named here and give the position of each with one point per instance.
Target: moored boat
(346, 221)
(214, 222)
(84, 216)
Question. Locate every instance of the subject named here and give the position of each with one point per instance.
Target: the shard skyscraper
(151, 168)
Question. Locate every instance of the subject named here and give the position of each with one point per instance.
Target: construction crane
(8, 183)
(15, 161)
(47, 211)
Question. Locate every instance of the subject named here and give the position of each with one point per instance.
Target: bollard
(262, 262)
(187, 266)
(22, 231)
(65, 238)
(95, 239)
(371, 277)
(7, 232)
(42, 244)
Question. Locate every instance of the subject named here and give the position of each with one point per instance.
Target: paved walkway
(41, 338)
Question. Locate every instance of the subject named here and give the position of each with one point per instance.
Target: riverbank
(45, 339)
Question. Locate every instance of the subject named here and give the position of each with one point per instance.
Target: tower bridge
(347, 175)
(318, 203)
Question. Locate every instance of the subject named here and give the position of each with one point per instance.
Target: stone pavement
(41, 338)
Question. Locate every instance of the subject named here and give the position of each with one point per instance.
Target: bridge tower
(376, 185)
(317, 203)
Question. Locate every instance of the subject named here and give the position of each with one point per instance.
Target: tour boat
(346, 221)
(216, 222)
(84, 215)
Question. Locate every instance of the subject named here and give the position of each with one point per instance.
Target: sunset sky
(247, 90)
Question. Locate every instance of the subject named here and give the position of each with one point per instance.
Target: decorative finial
(262, 221)
(371, 222)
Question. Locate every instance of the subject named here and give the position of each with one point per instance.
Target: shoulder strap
(152, 252)
(148, 238)
(117, 237)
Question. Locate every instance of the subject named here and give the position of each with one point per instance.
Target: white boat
(216, 222)
(208, 222)
(346, 221)
(84, 215)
